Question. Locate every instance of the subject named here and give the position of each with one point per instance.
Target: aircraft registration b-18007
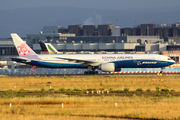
(91, 62)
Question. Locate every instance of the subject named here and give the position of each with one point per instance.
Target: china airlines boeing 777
(104, 62)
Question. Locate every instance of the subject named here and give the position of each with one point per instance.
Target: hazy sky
(14, 17)
(100, 4)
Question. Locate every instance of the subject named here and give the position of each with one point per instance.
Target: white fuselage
(120, 60)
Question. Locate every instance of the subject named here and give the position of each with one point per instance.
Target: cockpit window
(169, 58)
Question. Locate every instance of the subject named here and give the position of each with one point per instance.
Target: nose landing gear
(161, 70)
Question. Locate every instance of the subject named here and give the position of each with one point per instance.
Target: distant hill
(32, 20)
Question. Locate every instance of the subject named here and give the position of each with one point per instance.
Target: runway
(80, 72)
(48, 75)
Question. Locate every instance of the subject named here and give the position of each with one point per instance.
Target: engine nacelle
(107, 67)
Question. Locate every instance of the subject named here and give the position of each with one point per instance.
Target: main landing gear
(91, 70)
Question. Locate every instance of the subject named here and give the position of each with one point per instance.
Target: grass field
(96, 107)
(132, 82)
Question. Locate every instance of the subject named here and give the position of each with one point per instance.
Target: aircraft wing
(84, 62)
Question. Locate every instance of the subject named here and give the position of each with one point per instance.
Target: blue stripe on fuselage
(141, 64)
(56, 65)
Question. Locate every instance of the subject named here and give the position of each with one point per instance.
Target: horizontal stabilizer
(23, 60)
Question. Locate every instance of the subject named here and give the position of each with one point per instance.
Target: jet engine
(108, 67)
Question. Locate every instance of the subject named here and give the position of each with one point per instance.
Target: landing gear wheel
(161, 70)
(90, 72)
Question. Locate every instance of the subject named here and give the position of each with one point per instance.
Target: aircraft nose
(173, 62)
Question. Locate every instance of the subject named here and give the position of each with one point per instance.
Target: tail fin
(43, 47)
(50, 48)
(23, 49)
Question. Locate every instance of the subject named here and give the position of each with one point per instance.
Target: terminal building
(145, 38)
(93, 38)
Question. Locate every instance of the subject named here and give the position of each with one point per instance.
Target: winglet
(23, 49)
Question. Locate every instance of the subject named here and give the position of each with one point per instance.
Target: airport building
(93, 38)
(144, 38)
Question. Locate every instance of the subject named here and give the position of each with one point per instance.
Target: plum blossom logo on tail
(23, 49)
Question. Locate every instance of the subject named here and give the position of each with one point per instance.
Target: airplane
(47, 47)
(91, 62)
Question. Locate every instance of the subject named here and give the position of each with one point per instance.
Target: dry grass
(48, 117)
(93, 108)
(132, 82)
(90, 107)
